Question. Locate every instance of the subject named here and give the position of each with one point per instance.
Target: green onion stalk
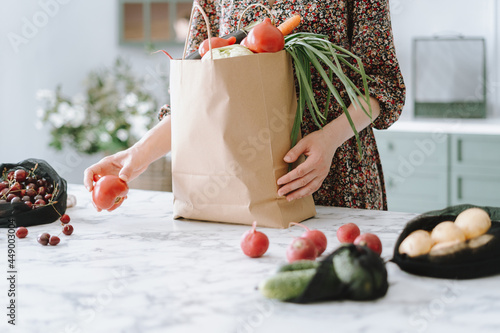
(315, 50)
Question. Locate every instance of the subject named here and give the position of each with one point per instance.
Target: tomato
(244, 42)
(109, 192)
(216, 42)
(265, 37)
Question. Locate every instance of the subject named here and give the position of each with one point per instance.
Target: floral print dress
(353, 181)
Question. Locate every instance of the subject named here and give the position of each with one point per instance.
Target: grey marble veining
(137, 270)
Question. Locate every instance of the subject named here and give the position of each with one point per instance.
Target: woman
(333, 172)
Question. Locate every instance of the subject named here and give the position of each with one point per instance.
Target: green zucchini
(299, 265)
(287, 285)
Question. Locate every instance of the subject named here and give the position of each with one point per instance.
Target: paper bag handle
(252, 6)
(209, 32)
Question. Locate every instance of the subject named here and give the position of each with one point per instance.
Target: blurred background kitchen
(79, 80)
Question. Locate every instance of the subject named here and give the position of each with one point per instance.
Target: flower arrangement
(114, 112)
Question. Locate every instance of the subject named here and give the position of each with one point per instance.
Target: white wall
(426, 18)
(77, 36)
(81, 35)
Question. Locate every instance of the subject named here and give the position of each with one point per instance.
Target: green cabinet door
(415, 168)
(475, 169)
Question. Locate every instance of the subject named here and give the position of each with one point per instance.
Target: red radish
(318, 237)
(348, 233)
(254, 243)
(371, 241)
(301, 248)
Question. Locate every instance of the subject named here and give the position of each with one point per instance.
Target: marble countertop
(138, 270)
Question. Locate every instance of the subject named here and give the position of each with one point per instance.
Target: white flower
(121, 105)
(78, 99)
(90, 136)
(105, 137)
(77, 114)
(144, 107)
(84, 145)
(63, 109)
(74, 116)
(122, 134)
(94, 119)
(131, 100)
(56, 120)
(138, 125)
(45, 94)
(110, 125)
(109, 83)
(40, 113)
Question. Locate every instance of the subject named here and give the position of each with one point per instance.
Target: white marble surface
(490, 126)
(137, 270)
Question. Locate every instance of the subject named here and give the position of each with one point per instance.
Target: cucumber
(299, 265)
(287, 285)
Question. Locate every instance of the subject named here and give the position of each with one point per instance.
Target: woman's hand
(308, 176)
(130, 163)
(319, 148)
(126, 164)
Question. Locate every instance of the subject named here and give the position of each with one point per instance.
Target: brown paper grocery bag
(231, 125)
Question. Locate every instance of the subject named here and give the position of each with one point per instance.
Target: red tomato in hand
(109, 192)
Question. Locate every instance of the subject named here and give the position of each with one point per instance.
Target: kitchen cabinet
(431, 170)
(475, 169)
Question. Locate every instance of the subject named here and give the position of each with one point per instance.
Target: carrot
(289, 24)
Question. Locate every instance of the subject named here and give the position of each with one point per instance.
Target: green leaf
(309, 49)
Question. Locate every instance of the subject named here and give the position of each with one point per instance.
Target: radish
(318, 237)
(254, 243)
(371, 241)
(348, 233)
(301, 248)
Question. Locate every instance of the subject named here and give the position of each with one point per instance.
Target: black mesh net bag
(350, 272)
(20, 214)
(474, 258)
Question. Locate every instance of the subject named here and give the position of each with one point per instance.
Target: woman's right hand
(126, 164)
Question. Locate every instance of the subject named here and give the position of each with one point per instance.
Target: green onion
(315, 50)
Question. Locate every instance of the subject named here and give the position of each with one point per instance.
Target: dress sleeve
(372, 41)
(198, 28)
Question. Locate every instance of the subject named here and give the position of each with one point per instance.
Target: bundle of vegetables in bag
(31, 193)
(458, 242)
(255, 42)
(308, 50)
(351, 272)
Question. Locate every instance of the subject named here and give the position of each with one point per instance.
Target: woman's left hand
(309, 175)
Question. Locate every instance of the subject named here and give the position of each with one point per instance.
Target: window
(153, 21)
